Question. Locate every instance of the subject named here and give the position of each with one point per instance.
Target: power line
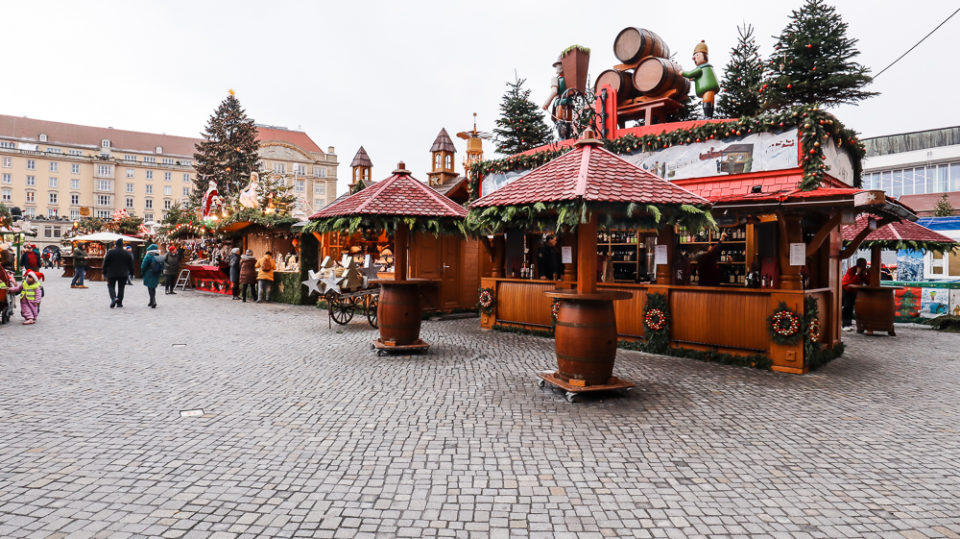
(917, 43)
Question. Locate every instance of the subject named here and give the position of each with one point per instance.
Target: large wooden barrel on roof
(657, 76)
(634, 44)
(620, 81)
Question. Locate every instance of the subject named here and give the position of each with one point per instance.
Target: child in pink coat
(31, 293)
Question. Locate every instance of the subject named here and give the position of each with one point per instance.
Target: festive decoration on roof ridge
(816, 127)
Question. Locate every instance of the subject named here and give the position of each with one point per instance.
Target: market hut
(97, 245)
(875, 303)
(586, 189)
(399, 205)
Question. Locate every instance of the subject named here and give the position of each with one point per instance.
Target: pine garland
(388, 223)
(816, 128)
(896, 245)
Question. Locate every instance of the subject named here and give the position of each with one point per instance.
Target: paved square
(307, 433)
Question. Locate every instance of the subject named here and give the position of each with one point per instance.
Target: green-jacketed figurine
(705, 80)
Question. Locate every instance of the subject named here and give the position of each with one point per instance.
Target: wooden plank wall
(718, 318)
(629, 312)
(525, 302)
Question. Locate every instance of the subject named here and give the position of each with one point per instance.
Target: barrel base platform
(572, 391)
(387, 347)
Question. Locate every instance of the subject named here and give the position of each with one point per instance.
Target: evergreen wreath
(784, 325)
(487, 300)
(657, 333)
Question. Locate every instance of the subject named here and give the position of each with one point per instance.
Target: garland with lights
(816, 128)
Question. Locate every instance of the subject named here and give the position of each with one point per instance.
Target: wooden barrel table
(586, 336)
(875, 308)
(634, 44)
(399, 312)
(657, 76)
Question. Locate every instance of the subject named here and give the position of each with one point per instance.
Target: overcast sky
(388, 74)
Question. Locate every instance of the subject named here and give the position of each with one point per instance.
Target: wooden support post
(823, 234)
(587, 256)
(875, 263)
(789, 233)
(400, 238)
(667, 237)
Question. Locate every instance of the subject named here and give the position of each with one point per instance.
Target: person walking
(117, 266)
(30, 295)
(235, 272)
(171, 267)
(151, 269)
(79, 267)
(57, 258)
(129, 249)
(265, 265)
(248, 275)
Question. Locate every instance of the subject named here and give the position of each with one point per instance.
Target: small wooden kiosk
(397, 205)
(96, 245)
(584, 189)
(875, 309)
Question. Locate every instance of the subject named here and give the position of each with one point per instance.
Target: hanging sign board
(798, 254)
(566, 254)
(660, 255)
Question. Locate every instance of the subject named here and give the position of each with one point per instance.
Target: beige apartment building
(57, 173)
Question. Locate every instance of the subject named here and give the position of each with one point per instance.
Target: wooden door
(439, 259)
(450, 269)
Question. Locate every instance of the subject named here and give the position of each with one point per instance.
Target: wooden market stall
(763, 289)
(875, 307)
(400, 205)
(96, 246)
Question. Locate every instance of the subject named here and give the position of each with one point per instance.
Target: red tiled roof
(785, 195)
(361, 159)
(401, 194)
(443, 143)
(592, 174)
(297, 138)
(894, 232)
(83, 135)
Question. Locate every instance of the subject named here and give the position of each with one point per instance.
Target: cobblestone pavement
(306, 432)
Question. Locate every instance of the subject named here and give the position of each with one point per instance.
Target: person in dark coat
(151, 276)
(117, 266)
(79, 267)
(248, 275)
(235, 271)
(548, 259)
(171, 267)
(30, 259)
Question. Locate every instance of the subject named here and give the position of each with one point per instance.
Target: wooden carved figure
(705, 80)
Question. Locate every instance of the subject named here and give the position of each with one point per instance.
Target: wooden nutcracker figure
(562, 113)
(705, 80)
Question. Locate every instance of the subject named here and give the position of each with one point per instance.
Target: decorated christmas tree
(520, 126)
(813, 62)
(943, 209)
(742, 78)
(229, 152)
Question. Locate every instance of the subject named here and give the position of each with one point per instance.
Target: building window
(74, 183)
(436, 161)
(7, 162)
(31, 180)
(74, 168)
(7, 196)
(104, 170)
(54, 166)
(152, 160)
(167, 190)
(149, 174)
(323, 172)
(7, 145)
(449, 162)
(104, 185)
(129, 187)
(7, 178)
(186, 177)
(167, 203)
(103, 214)
(148, 217)
(167, 161)
(43, 137)
(148, 203)
(74, 199)
(74, 215)
(167, 176)
(53, 198)
(129, 202)
(130, 173)
(280, 168)
(319, 188)
(186, 191)
(316, 171)
(51, 231)
(105, 143)
(301, 186)
(300, 168)
(52, 214)
(55, 151)
(75, 153)
(159, 149)
(130, 158)
(30, 212)
(103, 200)
(52, 181)
(149, 189)
(31, 164)
(31, 197)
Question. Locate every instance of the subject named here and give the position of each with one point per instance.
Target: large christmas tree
(813, 62)
(229, 152)
(742, 78)
(520, 126)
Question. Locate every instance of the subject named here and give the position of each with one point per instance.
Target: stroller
(7, 300)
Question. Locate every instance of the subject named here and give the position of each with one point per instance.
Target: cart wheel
(572, 397)
(372, 302)
(341, 310)
(380, 353)
(541, 382)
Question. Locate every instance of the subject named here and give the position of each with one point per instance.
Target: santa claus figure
(211, 201)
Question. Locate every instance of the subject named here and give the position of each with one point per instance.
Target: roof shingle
(894, 232)
(361, 159)
(443, 143)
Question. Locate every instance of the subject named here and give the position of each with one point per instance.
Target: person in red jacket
(855, 276)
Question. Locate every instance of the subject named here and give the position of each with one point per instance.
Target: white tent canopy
(106, 237)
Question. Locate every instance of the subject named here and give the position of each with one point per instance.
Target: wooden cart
(341, 307)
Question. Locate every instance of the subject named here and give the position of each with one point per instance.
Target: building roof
(926, 204)
(915, 140)
(894, 232)
(443, 143)
(361, 159)
(266, 134)
(83, 135)
(399, 195)
(592, 174)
